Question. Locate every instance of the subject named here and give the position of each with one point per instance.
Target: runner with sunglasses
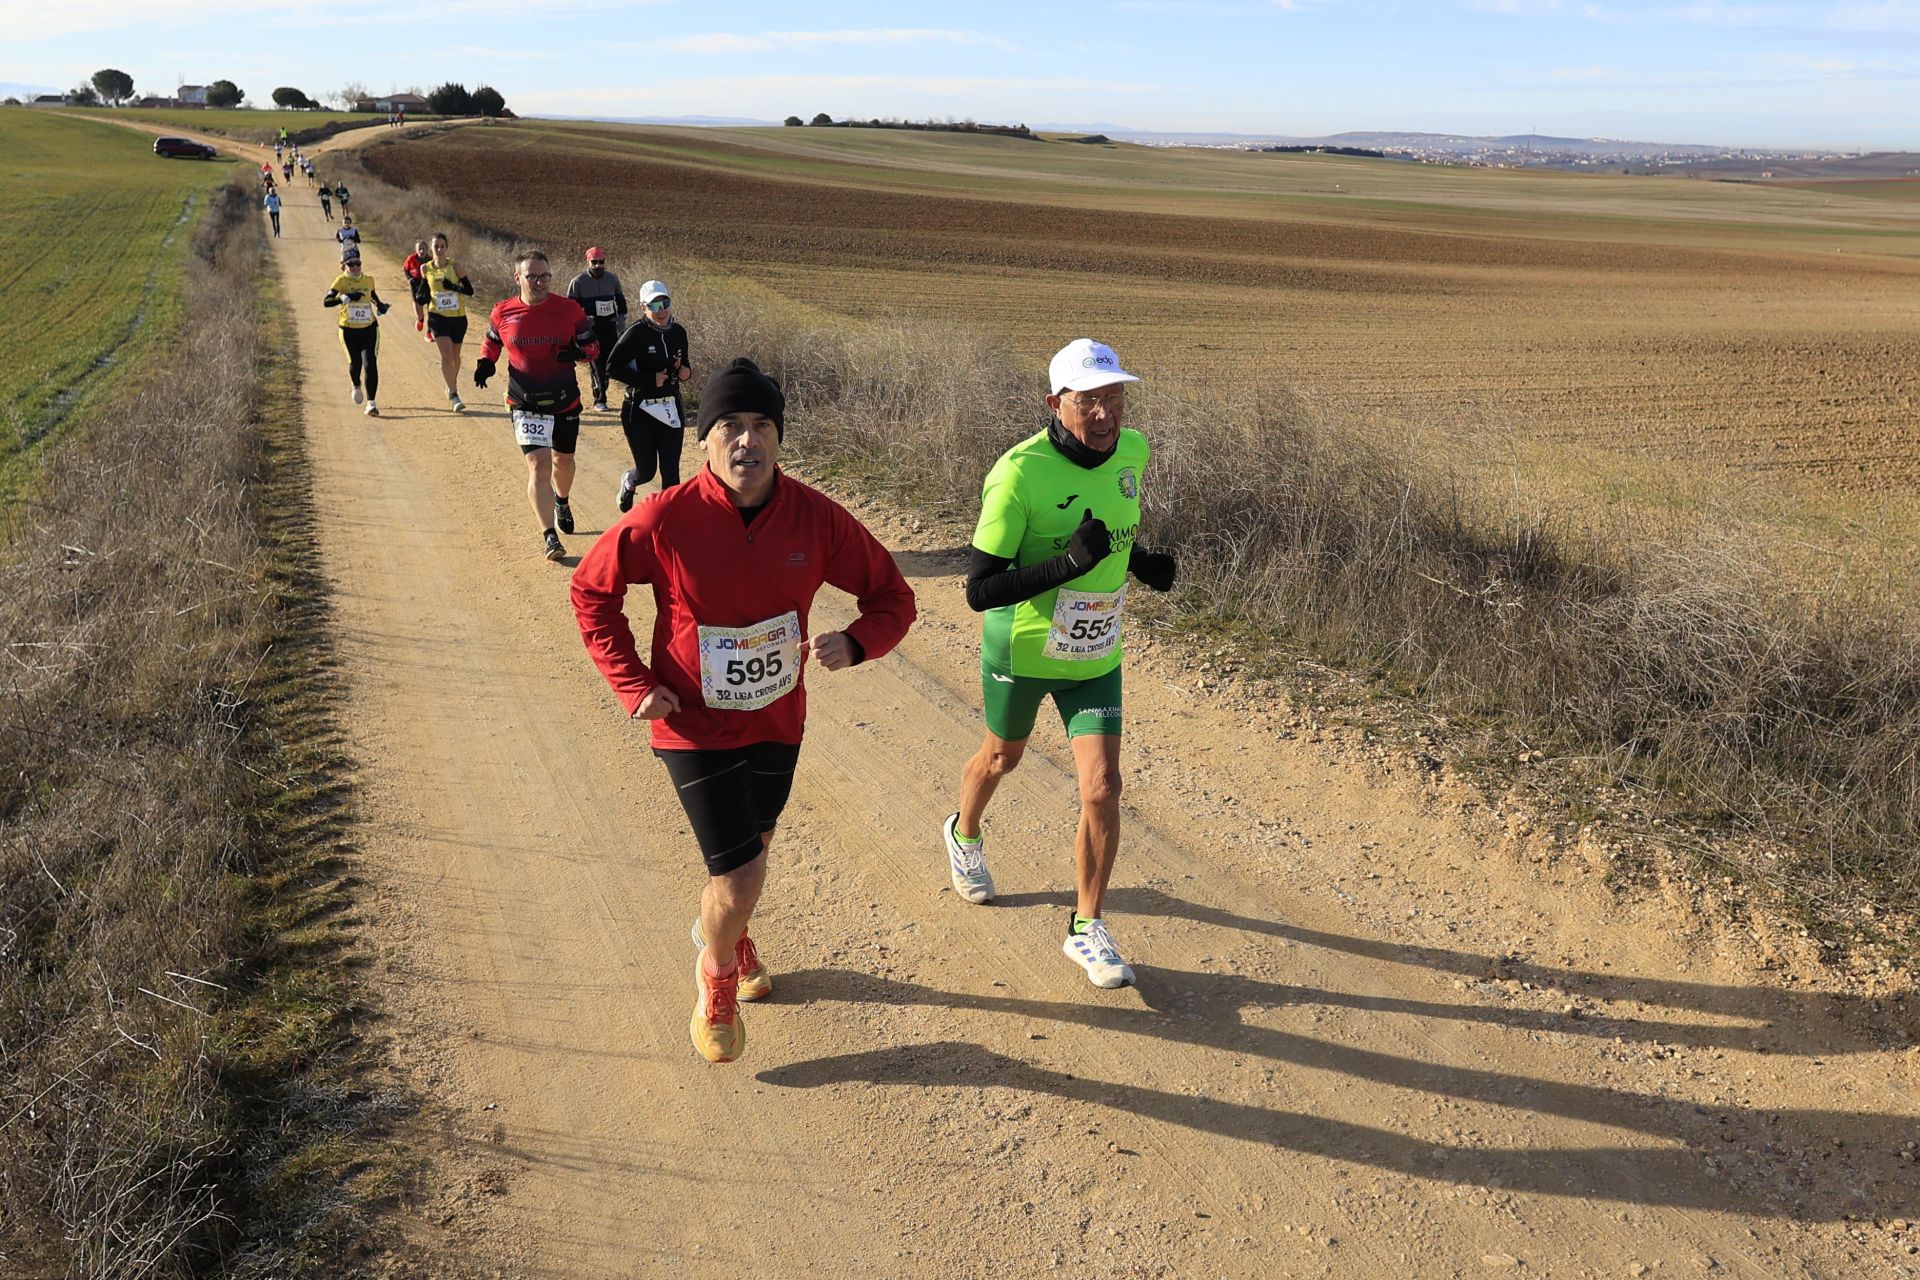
(598, 292)
(735, 557)
(348, 235)
(447, 291)
(1048, 568)
(543, 335)
(651, 359)
(360, 309)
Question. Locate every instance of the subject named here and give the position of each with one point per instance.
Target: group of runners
(735, 555)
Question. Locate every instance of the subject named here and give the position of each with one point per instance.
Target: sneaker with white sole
(967, 863)
(550, 546)
(357, 396)
(455, 403)
(716, 1029)
(755, 982)
(1094, 951)
(629, 488)
(372, 410)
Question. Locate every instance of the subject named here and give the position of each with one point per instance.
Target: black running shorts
(732, 797)
(439, 326)
(566, 434)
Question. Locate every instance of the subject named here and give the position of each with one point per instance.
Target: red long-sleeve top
(532, 337)
(708, 567)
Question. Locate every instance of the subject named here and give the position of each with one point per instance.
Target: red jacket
(709, 569)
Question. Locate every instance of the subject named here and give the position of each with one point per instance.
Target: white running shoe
(1094, 951)
(357, 397)
(372, 409)
(456, 403)
(967, 863)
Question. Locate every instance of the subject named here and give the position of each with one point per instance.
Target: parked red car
(183, 148)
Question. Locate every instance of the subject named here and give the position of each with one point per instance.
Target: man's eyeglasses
(538, 277)
(596, 262)
(1110, 401)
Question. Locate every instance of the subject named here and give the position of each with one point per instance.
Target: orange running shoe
(755, 982)
(718, 1033)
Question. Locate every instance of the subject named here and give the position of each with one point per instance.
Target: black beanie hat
(740, 387)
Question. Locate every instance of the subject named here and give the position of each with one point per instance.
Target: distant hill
(691, 121)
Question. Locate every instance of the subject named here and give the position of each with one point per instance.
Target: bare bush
(138, 609)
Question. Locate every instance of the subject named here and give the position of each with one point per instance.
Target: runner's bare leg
(1096, 761)
(995, 759)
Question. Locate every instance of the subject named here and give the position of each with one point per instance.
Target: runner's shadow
(1791, 1154)
(1773, 1184)
(1820, 1021)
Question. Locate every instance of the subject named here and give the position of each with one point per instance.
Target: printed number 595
(754, 670)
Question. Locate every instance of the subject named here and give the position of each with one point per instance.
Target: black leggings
(655, 446)
(363, 345)
(732, 797)
(606, 333)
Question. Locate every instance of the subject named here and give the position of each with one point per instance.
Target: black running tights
(655, 446)
(363, 347)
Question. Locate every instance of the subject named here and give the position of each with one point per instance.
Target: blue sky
(1842, 74)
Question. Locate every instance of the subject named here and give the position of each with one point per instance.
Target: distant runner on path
(326, 201)
(360, 309)
(411, 270)
(447, 292)
(651, 359)
(597, 290)
(348, 234)
(735, 557)
(340, 194)
(544, 335)
(273, 211)
(1051, 552)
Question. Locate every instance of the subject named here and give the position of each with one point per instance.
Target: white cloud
(723, 43)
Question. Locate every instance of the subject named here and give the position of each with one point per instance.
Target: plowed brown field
(1718, 352)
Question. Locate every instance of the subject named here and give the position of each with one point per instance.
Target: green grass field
(101, 226)
(247, 126)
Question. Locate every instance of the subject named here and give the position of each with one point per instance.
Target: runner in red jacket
(734, 556)
(544, 336)
(411, 270)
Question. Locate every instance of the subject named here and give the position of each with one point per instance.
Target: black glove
(1090, 543)
(381, 307)
(569, 354)
(1155, 568)
(355, 296)
(482, 370)
(465, 285)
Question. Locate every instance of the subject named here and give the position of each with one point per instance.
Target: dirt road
(1377, 1032)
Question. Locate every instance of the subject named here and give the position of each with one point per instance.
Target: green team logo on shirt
(1129, 484)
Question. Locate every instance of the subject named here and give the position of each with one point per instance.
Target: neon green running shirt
(1032, 501)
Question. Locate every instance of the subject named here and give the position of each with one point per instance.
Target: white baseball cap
(653, 289)
(1084, 364)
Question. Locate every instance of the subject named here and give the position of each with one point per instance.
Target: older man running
(735, 557)
(1049, 565)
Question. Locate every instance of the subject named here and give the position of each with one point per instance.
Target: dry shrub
(1677, 664)
(138, 608)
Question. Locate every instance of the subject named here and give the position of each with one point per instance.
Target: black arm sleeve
(465, 286)
(992, 584)
(331, 300)
(619, 363)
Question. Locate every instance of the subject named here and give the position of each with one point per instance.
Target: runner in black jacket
(651, 359)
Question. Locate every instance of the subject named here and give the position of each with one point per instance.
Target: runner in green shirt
(1049, 566)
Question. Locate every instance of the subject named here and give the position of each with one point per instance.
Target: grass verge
(1671, 679)
(180, 1094)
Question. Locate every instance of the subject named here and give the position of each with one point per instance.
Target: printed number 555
(1091, 628)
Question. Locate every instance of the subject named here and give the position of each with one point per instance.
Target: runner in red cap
(734, 556)
(598, 292)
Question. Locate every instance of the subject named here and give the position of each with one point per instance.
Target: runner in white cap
(1049, 565)
(651, 359)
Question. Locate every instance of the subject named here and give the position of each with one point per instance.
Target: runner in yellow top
(446, 292)
(360, 310)
(1051, 553)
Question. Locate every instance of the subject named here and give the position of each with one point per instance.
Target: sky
(1840, 74)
